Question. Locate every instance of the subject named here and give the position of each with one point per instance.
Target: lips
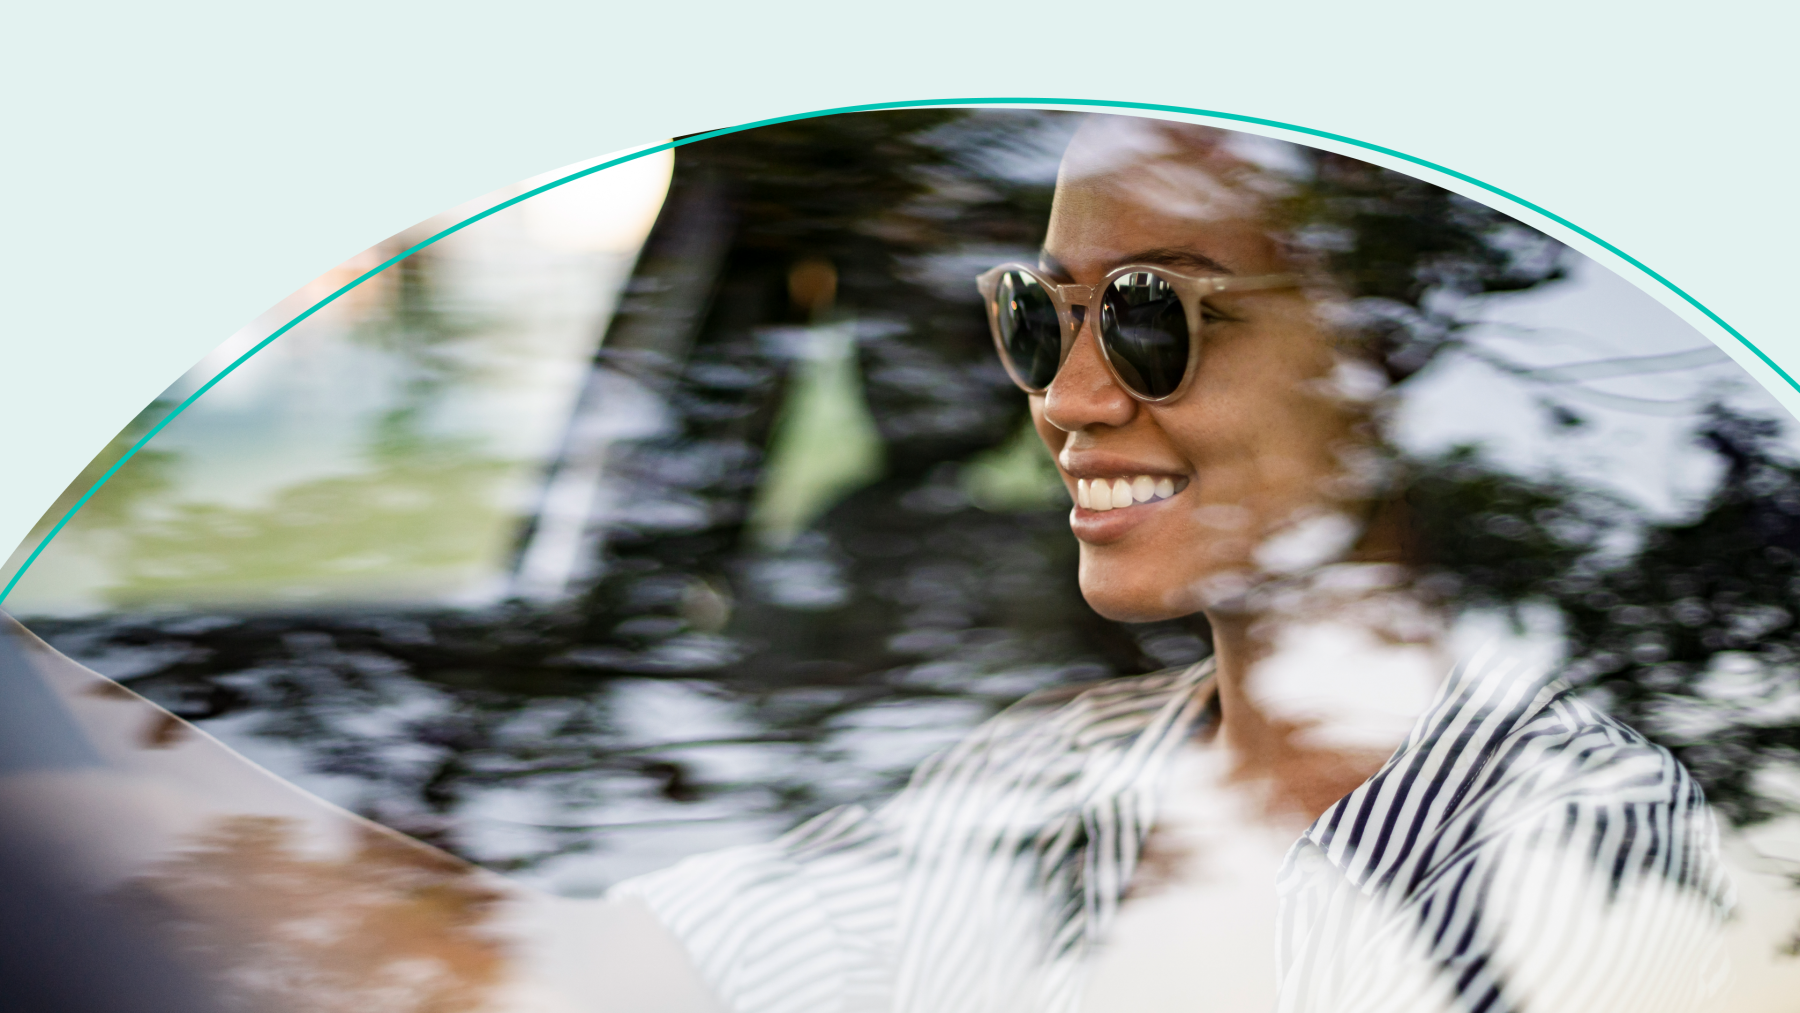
(1107, 507)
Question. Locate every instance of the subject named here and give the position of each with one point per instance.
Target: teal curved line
(869, 107)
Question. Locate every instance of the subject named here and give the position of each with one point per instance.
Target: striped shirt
(1519, 850)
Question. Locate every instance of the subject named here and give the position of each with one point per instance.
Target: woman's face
(1261, 446)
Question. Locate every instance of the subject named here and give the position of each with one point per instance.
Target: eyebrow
(1160, 256)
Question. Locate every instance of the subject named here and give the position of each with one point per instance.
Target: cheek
(1052, 437)
(1262, 456)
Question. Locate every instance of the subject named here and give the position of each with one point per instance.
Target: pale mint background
(174, 170)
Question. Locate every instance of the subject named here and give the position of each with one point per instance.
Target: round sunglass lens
(1146, 333)
(1030, 334)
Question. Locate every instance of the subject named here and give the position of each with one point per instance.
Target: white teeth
(1101, 495)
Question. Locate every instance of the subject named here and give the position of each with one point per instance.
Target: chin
(1144, 597)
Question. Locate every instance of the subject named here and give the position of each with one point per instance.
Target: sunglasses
(1148, 325)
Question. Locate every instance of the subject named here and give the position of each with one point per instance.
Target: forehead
(1133, 187)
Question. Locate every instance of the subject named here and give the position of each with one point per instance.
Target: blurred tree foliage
(1684, 630)
(1693, 640)
(147, 476)
(950, 577)
(1411, 254)
(904, 591)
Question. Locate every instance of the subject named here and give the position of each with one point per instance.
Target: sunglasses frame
(1192, 290)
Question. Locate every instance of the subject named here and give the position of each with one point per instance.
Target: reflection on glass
(379, 452)
(575, 612)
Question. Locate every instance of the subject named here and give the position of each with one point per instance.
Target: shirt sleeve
(798, 925)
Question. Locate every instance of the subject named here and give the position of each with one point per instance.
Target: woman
(1487, 843)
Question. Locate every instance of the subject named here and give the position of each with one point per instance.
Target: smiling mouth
(1103, 494)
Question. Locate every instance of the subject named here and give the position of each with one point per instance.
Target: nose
(1084, 393)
